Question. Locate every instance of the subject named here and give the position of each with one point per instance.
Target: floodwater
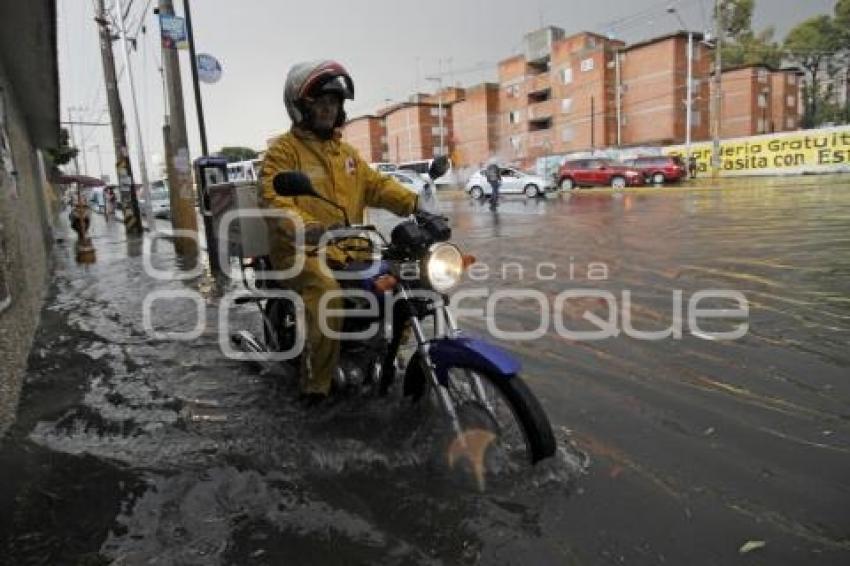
(133, 449)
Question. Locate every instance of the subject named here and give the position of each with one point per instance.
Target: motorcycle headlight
(443, 267)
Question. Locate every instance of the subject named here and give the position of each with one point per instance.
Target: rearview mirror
(439, 167)
(293, 184)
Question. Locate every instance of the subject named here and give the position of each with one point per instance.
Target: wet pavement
(130, 449)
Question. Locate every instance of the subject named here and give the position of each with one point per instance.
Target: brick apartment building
(786, 100)
(759, 100)
(561, 95)
(654, 84)
(413, 131)
(475, 121)
(368, 135)
(558, 96)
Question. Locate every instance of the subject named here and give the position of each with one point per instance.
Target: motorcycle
(477, 384)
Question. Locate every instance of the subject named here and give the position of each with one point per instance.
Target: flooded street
(132, 449)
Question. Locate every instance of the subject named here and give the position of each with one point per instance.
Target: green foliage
(812, 41)
(815, 44)
(753, 49)
(736, 17)
(64, 153)
(742, 46)
(237, 153)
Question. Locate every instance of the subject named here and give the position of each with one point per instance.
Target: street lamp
(689, 90)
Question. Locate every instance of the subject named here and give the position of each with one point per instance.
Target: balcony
(538, 83)
(541, 110)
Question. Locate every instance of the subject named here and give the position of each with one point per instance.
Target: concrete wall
(25, 239)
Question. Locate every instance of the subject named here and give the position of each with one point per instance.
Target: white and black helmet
(311, 79)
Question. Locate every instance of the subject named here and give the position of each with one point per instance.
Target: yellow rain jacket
(339, 174)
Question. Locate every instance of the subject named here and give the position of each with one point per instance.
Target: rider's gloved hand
(436, 224)
(424, 216)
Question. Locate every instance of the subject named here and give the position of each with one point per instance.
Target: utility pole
(194, 58)
(592, 125)
(178, 164)
(690, 96)
(619, 97)
(146, 188)
(718, 95)
(130, 205)
(690, 78)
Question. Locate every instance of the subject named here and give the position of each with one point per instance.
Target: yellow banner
(810, 151)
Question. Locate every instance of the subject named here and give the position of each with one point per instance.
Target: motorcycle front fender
(471, 353)
(459, 352)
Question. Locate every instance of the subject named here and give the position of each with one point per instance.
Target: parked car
(514, 181)
(160, 199)
(597, 172)
(410, 179)
(660, 169)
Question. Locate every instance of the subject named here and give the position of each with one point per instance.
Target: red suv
(660, 168)
(590, 172)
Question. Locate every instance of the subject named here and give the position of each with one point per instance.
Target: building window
(435, 131)
(792, 80)
(567, 75)
(762, 101)
(514, 116)
(762, 75)
(791, 123)
(566, 105)
(437, 111)
(761, 125)
(568, 133)
(512, 91)
(437, 151)
(587, 65)
(514, 141)
(791, 101)
(591, 42)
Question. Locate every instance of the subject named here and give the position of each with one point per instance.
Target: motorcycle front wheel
(506, 407)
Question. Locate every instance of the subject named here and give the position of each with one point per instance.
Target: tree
(842, 26)
(237, 153)
(741, 46)
(753, 49)
(736, 17)
(64, 152)
(812, 44)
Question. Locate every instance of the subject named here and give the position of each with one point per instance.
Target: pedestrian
(692, 167)
(495, 179)
(109, 203)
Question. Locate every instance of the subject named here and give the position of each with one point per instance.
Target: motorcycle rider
(314, 95)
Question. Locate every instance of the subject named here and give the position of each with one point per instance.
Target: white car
(410, 179)
(514, 181)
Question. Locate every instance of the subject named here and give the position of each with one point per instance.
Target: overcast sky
(389, 46)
